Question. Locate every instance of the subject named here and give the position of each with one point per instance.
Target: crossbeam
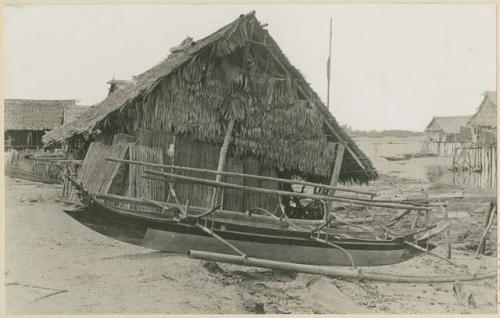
(243, 175)
(170, 176)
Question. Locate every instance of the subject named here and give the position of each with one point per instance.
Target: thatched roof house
(71, 113)
(486, 114)
(446, 128)
(482, 127)
(26, 120)
(237, 73)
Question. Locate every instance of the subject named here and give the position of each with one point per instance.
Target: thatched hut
(235, 84)
(26, 120)
(483, 123)
(446, 128)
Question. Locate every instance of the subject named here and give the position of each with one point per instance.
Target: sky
(393, 66)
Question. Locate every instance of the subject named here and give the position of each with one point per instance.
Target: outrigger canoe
(258, 236)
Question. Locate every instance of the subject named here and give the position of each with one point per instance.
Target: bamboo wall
(189, 153)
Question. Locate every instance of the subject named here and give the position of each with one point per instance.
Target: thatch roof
(288, 131)
(33, 114)
(486, 114)
(71, 113)
(117, 84)
(447, 124)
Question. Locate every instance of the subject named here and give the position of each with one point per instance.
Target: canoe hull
(31, 170)
(279, 245)
(182, 243)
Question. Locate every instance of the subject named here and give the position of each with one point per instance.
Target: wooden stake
(444, 208)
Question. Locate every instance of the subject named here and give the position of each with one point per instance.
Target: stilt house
(233, 90)
(446, 129)
(483, 123)
(26, 120)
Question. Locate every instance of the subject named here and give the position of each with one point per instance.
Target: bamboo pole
(328, 71)
(169, 176)
(220, 239)
(244, 175)
(198, 212)
(398, 217)
(334, 271)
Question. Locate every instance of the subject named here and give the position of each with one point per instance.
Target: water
(431, 169)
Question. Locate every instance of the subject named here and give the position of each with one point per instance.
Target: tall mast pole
(328, 67)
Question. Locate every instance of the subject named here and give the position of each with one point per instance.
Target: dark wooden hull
(154, 231)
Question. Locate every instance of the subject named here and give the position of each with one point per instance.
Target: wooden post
(222, 158)
(339, 155)
(444, 208)
(454, 157)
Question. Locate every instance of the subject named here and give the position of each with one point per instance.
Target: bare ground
(56, 266)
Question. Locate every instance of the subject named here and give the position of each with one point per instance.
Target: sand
(54, 265)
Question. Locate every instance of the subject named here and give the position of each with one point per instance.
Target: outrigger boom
(169, 176)
(244, 175)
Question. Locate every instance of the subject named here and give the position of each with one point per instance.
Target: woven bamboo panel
(233, 198)
(251, 199)
(194, 154)
(122, 139)
(140, 187)
(96, 173)
(269, 201)
(156, 139)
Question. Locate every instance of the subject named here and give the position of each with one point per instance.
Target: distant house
(26, 120)
(446, 128)
(483, 124)
(71, 113)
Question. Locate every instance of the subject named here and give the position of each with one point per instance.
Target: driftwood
(169, 176)
(335, 271)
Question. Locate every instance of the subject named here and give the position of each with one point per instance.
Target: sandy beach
(54, 265)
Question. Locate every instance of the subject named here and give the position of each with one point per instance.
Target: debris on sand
(256, 308)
